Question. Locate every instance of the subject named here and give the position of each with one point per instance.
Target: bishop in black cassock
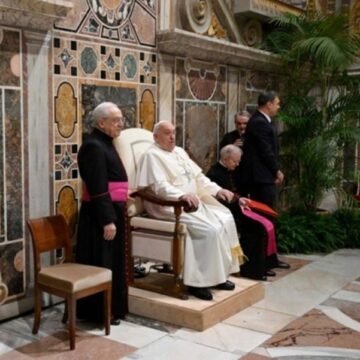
(101, 230)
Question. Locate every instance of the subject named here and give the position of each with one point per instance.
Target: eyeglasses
(116, 120)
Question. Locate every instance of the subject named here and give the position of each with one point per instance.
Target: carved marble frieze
(35, 15)
(183, 43)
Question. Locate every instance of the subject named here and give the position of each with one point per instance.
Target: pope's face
(113, 123)
(165, 136)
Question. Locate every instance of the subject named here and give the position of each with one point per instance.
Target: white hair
(229, 150)
(102, 111)
(159, 125)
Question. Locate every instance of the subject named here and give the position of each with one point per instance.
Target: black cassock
(99, 164)
(252, 235)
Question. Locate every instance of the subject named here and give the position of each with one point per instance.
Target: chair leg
(65, 316)
(107, 309)
(71, 317)
(37, 310)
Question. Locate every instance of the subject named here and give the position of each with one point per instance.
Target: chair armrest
(148, 196)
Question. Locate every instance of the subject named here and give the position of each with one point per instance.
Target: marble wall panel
(75, 17)
(12, 267)
(221, 86)
(181, 85)
(67, 203)
(130, 66)
(89, 61)
(66, 161)
(13, 160)
(201, 133)
(2, 229)
(144, 24)
(148, 69)
(147, 113)
(125, 96)
(10, 57)
(110, 63)
(222, 121)
(65, 56)
(180, 112)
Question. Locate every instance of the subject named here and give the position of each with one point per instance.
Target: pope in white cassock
(212, 249)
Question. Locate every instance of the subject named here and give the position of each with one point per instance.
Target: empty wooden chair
(68, 280)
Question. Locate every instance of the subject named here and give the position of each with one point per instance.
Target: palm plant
(321, 102)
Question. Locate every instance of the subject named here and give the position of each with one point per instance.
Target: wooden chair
(157, 240)
(68, 280)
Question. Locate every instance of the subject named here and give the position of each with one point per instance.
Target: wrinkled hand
(279, 177)
(225, 195)
(243, 203)
(191, 199)
(109, 231)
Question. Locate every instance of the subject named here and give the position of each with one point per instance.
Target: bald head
(164, 135)
(230, 156)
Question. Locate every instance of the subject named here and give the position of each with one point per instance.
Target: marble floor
(309, 312)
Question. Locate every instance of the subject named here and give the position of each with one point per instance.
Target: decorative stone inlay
(129, 66)
(110, 62)
(89, 60)
(112, 12)
(147, 110)
(147, 68)
(65, 56)
(67, 205)
(66, 161)
(65, 109)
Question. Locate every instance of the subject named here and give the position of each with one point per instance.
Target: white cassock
(212, 249)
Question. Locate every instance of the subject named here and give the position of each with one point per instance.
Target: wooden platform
(195, 313)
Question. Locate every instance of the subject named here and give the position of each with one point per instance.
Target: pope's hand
(109, 231)
(225, 195)
(192, 200)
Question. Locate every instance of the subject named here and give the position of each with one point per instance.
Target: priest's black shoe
(201, 293)
(282, 265)
(115, 321)
(227, 285)
(270, 273)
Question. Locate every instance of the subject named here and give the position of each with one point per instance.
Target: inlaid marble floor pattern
(311, 312)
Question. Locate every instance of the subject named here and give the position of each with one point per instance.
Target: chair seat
(156, 225)
(71, 277)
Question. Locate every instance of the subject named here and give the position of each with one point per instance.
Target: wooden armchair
(68, 280)
(151, 239)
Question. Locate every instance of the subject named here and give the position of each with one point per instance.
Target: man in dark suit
(236, 137)
(259, 171)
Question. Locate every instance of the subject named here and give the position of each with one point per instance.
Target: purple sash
(269, 227)
(118, 191)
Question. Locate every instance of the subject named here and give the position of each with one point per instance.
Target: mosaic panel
(147, 110)
(2, 230)
(67, 205)
(144, 24)
(66, 161)
(201, 118)
(181, 86)
(65, 56)
(65, 109)
(148, 70)
(10, 61)
(13, 160)
(128, 21)
(125, 96)
(110, 63)
(12, 267)
(89, 61)
(129, 66)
